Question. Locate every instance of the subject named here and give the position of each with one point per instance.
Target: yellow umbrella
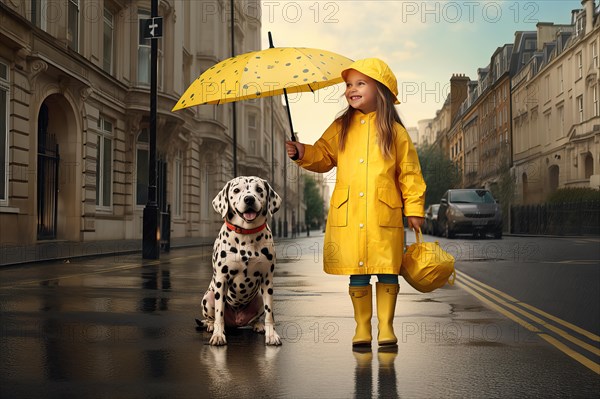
(264, 73)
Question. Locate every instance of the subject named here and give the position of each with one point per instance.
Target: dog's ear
(221, 201)
(274, 199)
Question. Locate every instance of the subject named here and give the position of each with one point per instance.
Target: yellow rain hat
(378, 70)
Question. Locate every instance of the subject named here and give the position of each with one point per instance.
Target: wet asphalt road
(117, 327)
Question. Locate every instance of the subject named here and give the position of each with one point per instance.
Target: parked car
(431, 218)
(469, 211)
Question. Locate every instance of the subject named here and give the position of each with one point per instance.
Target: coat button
(361, 160)
(361, 194)
(362, 121)
(361, 225)
(361, 263)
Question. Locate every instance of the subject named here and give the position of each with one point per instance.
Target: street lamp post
(151, 233)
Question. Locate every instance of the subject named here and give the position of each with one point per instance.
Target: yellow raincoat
(364, 233)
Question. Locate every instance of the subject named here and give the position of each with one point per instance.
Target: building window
(73, 28)
(109, 30)
(561, 86)
(144, 54)
(579, 65)
(143, 50)
(595, 54)
(178, 186)
(38, 13)
(104, 163)
(4, 98)
(141, 168)
(596, 94)
(561, 121)
(580, 108)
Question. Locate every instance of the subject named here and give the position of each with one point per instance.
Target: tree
(313, 202)
(439, 172)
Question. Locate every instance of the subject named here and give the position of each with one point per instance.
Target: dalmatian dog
(241, 290)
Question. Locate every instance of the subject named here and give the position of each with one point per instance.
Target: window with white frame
(143, 59)
(108, 40)
(178, 185)
(579, 65)
(141, 168)
(561, 86)
(595, 54)
(38, 13)
(104, 146)
(596, 102)
(73, 24)
(580, 108)
(561, 120)
(4, 99)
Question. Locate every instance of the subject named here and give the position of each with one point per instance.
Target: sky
(423, 42)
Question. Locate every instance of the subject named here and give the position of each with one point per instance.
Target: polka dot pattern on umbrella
(265, 73)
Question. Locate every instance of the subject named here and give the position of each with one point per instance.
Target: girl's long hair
(385, 117)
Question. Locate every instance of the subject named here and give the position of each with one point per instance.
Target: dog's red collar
(239, 230)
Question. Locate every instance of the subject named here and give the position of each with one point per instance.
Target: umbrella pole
(287, 106)
(287, 103)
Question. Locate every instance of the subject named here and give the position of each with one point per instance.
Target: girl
(378, 178)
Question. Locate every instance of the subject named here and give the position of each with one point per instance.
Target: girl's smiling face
(361, 91)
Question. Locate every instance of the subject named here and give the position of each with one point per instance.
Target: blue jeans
(362, 280)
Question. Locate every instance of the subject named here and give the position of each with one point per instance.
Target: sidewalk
(44, 251)
(63, 250)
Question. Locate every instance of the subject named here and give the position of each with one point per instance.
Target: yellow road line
(551, 327)
(557, 344)
(573, 327)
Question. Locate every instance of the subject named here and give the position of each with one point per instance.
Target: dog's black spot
(243, 243)
(266, 253)
(255, 253)
(237, 240)
(217, 296)
(267, 282)
(259, 238)
(270, 291)
(204, 301)
(219, 284)
(234, 272)
(250, 284)
(242, 291)
(233, 249)
(244, 259)
(225, 269)
(242, 285)
(230, 215)
(256, 273)
(272, 267)
(242, 252)
(223, 254)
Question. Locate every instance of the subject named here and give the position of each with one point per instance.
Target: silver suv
(470, 211)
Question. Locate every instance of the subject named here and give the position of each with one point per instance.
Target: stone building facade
(74, 92)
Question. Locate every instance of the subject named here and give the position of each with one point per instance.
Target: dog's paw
(218, 340)
(258, 327)
(271, 336)
(210, 327)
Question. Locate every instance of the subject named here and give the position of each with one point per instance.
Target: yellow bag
(426, 266)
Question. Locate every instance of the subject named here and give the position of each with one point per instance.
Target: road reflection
(387, 384)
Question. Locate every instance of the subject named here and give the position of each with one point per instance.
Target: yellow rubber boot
(386, 307)
(362, 301)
